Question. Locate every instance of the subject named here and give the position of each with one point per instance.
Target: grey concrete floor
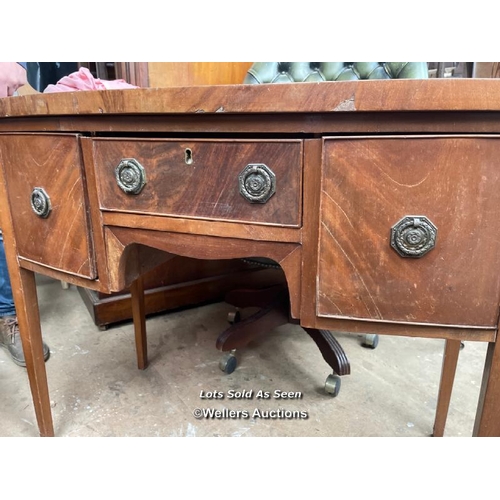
(97, 390)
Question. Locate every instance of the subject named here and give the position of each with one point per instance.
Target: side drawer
(380, 258)
(201, 178)
(52, 164)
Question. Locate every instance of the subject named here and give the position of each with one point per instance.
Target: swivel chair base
(274, 311)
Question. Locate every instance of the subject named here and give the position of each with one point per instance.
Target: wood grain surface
(332, 240)
(24, 292)
(62, 240)
(450, 122)
(207, 187)
(132, 252)
(371, 184)
(257, 232)
(443, 94)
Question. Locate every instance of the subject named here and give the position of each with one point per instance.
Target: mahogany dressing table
(379, 200)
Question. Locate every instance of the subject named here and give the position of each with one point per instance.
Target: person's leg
(7, 307)
(9, 329)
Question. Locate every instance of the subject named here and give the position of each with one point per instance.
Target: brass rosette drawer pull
(413, 236)
(257, 183)
(130, 176)
(40, 202)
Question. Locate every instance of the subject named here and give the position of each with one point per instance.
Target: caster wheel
(462, 345)
(332, 385)
(234, 317)
(370, 340)
(228, 363)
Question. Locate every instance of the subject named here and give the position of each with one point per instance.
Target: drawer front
(50, 165)
(410, 230)
(201, 178)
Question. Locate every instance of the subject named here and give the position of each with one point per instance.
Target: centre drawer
(255, 181)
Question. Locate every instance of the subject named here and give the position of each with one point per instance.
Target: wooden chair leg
(334, 355)
(450, 360)
(139, 317)
(274, 312)
(265, 320)
(331, 350)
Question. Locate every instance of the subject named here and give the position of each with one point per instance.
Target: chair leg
(274, 312)
(139, 317)
(240, 334)
(331, 350)
(450, 360)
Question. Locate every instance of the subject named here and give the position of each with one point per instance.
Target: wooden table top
(325, 97)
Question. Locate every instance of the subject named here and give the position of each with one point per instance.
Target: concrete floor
(96, 389)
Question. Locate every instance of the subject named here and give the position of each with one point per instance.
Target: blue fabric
(7, 307)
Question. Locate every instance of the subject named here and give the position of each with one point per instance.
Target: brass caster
(234, 317)
(370, 340)
(228, 362)
(332, 385)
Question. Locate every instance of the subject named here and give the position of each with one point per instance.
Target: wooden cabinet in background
(185, 74)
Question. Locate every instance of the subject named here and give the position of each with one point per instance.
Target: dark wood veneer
(328, 225)
(52, 162)
(206, 184)
(368, 186)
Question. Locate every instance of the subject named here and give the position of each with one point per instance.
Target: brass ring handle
(130, 176)
(413, 236)
(257, 183)
(40, 202)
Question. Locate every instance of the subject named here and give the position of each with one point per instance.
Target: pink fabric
(83, 80)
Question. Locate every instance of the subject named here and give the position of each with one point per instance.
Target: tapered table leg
(488, 408)
(139, 316)
(450, 360)
(26, 301)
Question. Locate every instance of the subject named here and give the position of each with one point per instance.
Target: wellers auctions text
(250, 394)
(256, 413)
